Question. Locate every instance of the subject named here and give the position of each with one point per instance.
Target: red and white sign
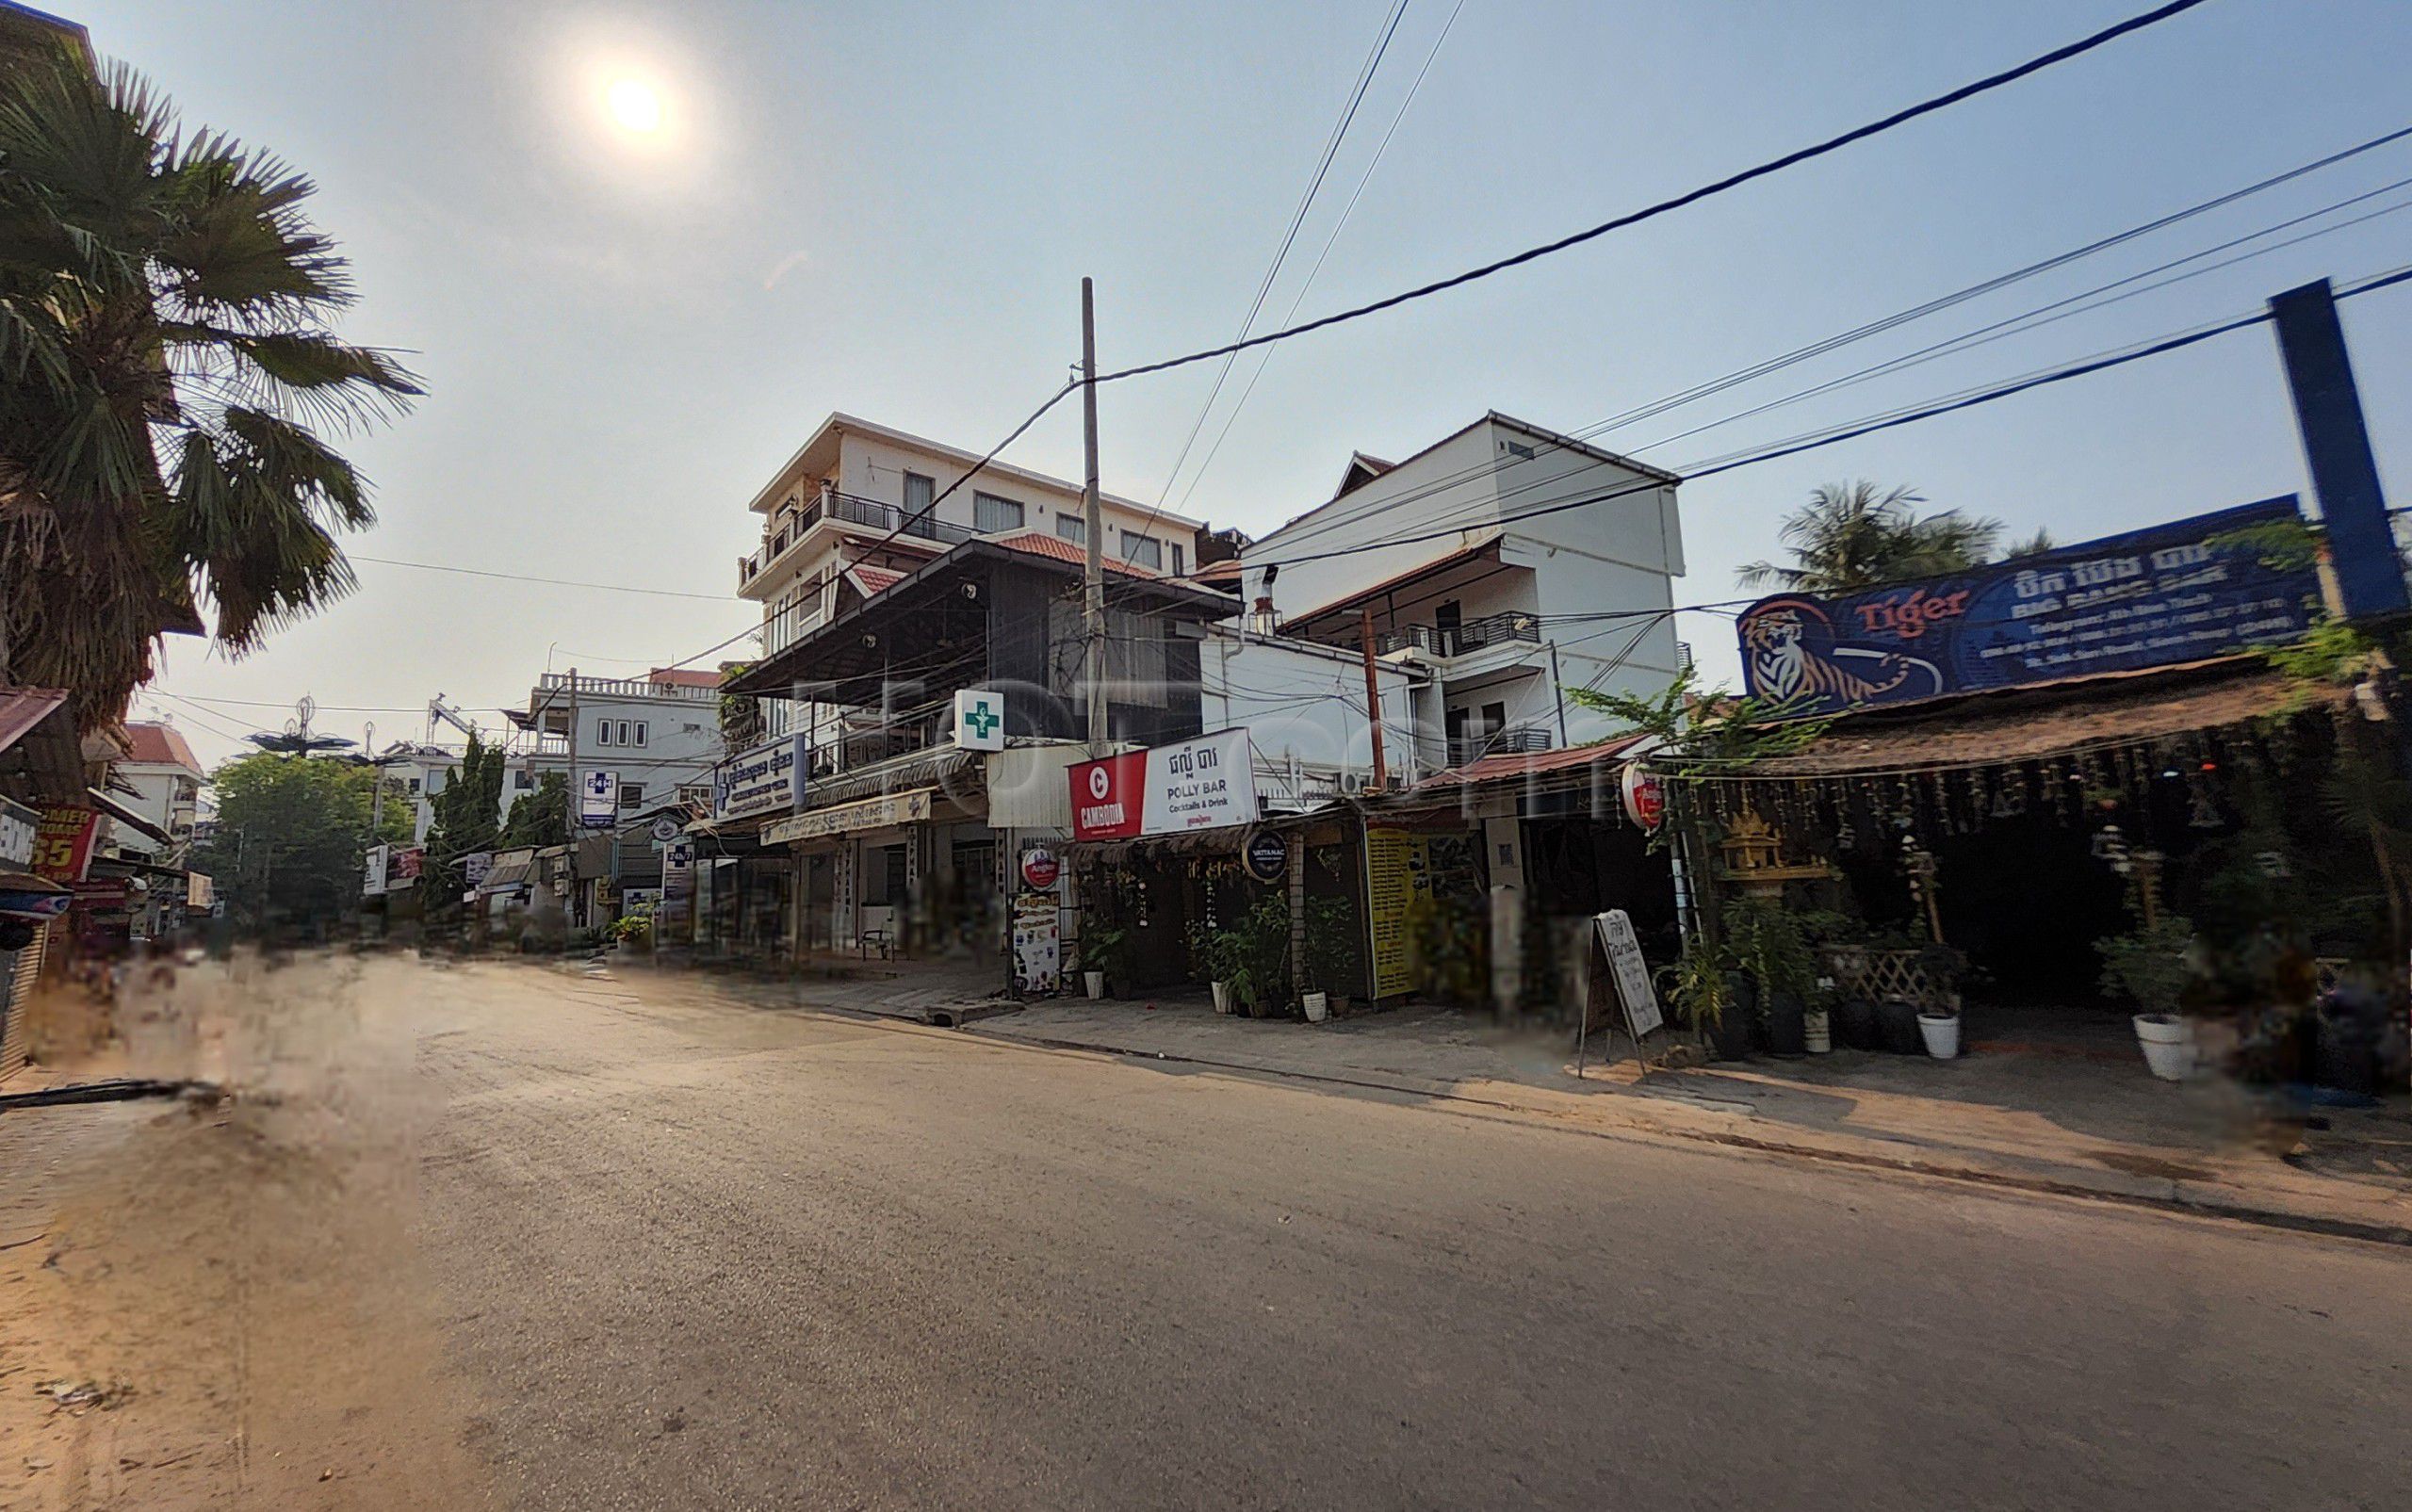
(1645, 802)
(1198, 784)
(1040, 868)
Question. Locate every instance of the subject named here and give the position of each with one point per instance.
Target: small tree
(292, 835)
(1695, 736)
(541, 817)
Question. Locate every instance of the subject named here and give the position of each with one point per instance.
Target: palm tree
(1851, 537)
(2034, 545)
(167, 369)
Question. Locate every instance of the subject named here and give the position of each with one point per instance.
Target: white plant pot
(1318, 1004)
(1222, 997)
(1093, 982)
(2169, 1049)
(1821, 1032)
(1942, 1032)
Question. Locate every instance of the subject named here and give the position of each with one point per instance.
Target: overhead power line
(1775, 165)
(1290, 237)
(525, 577)
(1348, 516)
(1230, 419)
(1965, 400)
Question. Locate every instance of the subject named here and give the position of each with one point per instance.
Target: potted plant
(1769, 943)
(1939, 1020)
(1210, 954)
(1819, 1026)
(2149, 967)
(1710, 997)
(1263, 949)
(1101, 947)
(1331, 947)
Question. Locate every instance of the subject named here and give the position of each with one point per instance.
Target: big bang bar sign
(1197, 784)
(2150, 598)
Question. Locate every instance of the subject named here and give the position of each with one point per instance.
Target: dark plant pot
(1897, 1027)
(1788, 1026)
(2345, 1058)
(1729, 1038)
(1855, 1025)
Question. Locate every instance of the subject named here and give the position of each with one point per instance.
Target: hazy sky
(887, 208)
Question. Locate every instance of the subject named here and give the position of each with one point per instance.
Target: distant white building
(657, 736)
(1507, 562)
(160, 780)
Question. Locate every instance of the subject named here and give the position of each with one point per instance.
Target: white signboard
(767, 779)
(18, 826)
(372, 872)
(844, 818)
(980, 719)
(1201, 783)
(599, 799)
(1629, 972)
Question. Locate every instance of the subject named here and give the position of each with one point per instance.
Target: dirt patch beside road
(235, 1282)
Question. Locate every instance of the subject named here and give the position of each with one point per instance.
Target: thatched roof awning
(2010, 726)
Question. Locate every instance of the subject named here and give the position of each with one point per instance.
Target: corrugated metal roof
(1512, 765)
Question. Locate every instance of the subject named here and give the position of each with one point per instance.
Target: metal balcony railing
(1515, 739)
(790, 528)
(1457, 640)
(627, 687)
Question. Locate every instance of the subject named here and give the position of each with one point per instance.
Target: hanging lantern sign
(1645, 801)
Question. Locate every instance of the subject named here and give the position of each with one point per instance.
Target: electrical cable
(525, 577)
(1775, 165)
(1289, 238)
(1300, 298)
(1490, 466)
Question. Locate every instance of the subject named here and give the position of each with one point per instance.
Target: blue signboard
(2150, 598)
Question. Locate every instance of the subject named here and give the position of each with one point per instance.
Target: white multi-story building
(159, 780)
(1509, 562)
(851, 512)
(659, 736)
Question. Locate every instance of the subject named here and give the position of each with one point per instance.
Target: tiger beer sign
(2176, 592)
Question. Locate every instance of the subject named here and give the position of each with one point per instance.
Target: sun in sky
(634, 104)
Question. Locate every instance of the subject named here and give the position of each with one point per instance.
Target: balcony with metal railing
(1464, 750)
(1510, 627)
(560, 685)
(790, 528)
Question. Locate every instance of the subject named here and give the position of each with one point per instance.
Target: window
(639, 732)
(1072, 527)
(1179, 568)
(413, 785)
(603, 732)
(696, 794)
(1145, 550)
(522, 778)
(624, 733)
(633, 795)
(991, 515)
(919, 492)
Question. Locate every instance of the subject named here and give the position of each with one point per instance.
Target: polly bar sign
(1168, 789)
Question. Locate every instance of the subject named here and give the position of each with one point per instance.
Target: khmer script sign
(2155, 597)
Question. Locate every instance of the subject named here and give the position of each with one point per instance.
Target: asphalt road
(692, 1255)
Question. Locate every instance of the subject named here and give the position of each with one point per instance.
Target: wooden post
(1373, 698)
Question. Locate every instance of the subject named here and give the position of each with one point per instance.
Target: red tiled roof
(158, 745)
(1038, 544)
(1529, 764)
(870, 579)
(683, 677)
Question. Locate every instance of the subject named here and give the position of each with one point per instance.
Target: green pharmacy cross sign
(979, 719)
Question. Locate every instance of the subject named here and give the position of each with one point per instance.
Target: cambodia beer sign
(1193, 785)
(2155, 597)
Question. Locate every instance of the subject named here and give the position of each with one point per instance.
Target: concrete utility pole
(1373, 698)
(1092, 575)
(569, 860)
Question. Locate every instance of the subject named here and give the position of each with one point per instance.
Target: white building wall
(1304, 708)
(1618, 555)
